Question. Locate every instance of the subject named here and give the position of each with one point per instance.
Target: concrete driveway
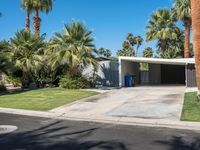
(149, 102)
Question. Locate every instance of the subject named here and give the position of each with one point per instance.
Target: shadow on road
(56, 136)
(177, 143)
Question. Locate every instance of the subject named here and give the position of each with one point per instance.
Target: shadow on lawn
(177, 143)
(18, 91)
(56, 136)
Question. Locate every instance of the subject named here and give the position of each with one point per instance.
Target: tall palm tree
(27, 4)
(130, 41)
(195, 5)
(127, 49)
(174, 47)
(73, 48)
(182, 10)
(125, 52)
(161, 28)
(101, 51)
(107, 53)
(138, 41)
(148, 52)
(131, 38)
(43, 6)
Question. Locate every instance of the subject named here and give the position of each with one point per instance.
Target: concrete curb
(27, 112)
(195, 126)
(136, 123)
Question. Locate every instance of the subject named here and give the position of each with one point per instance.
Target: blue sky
(110, 20)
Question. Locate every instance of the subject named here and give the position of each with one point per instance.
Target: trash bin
(126, 81)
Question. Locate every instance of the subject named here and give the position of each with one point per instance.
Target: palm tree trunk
(187, 24)
(37, 22)
(24, 80)
(28, 19)
(73, 71)
(163, 44)
(136, 54)
(195, 4)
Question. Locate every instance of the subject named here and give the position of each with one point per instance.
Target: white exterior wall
(128, 67)
(154, 73)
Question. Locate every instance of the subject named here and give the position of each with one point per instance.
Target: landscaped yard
(43, 99)
(191, 108)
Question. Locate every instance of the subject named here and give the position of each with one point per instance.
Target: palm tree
(182, 10)
(131, 38)
(148, 52)
(162, 28)
(127, 50)
(43, 6)
(101, 51)
(138, 41)
(73, 48)
(6, 65)
(107, 53)
(170, 53)
(174, 47)
(127, 47)
(26, 49)
(195, 5)
(130, 41)
(27, 4)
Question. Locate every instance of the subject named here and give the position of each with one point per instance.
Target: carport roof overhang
(175, 61)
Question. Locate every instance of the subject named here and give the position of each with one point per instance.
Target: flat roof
(174, 61)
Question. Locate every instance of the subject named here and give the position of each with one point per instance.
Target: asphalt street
(50, 134)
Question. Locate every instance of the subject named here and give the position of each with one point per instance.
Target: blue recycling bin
(129, 80)
(126, 78)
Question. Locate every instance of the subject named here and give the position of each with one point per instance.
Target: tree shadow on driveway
(56, 136)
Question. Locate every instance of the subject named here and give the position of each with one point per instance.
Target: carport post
(186, 77)
(120, 73)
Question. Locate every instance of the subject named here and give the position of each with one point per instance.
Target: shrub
(2, 87)
(78, 82)
(15, 81)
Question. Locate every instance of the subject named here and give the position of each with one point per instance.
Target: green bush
(73, 82)
(15, 81)
(2, 87)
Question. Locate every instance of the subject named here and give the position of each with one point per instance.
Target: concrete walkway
(146, 106)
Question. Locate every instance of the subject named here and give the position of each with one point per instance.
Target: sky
(110, 20)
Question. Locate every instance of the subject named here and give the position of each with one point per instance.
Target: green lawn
(191, 108)
(42, 99)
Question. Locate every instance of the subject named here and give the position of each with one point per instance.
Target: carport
(160, 71)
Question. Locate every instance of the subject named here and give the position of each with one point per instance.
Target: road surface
(50, 134)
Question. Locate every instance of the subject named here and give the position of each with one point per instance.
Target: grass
(42, 99)
(191, 108)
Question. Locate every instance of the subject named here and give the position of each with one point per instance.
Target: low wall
(108, 73)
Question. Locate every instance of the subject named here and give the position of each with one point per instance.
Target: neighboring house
(160, 71)
(107, 73)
